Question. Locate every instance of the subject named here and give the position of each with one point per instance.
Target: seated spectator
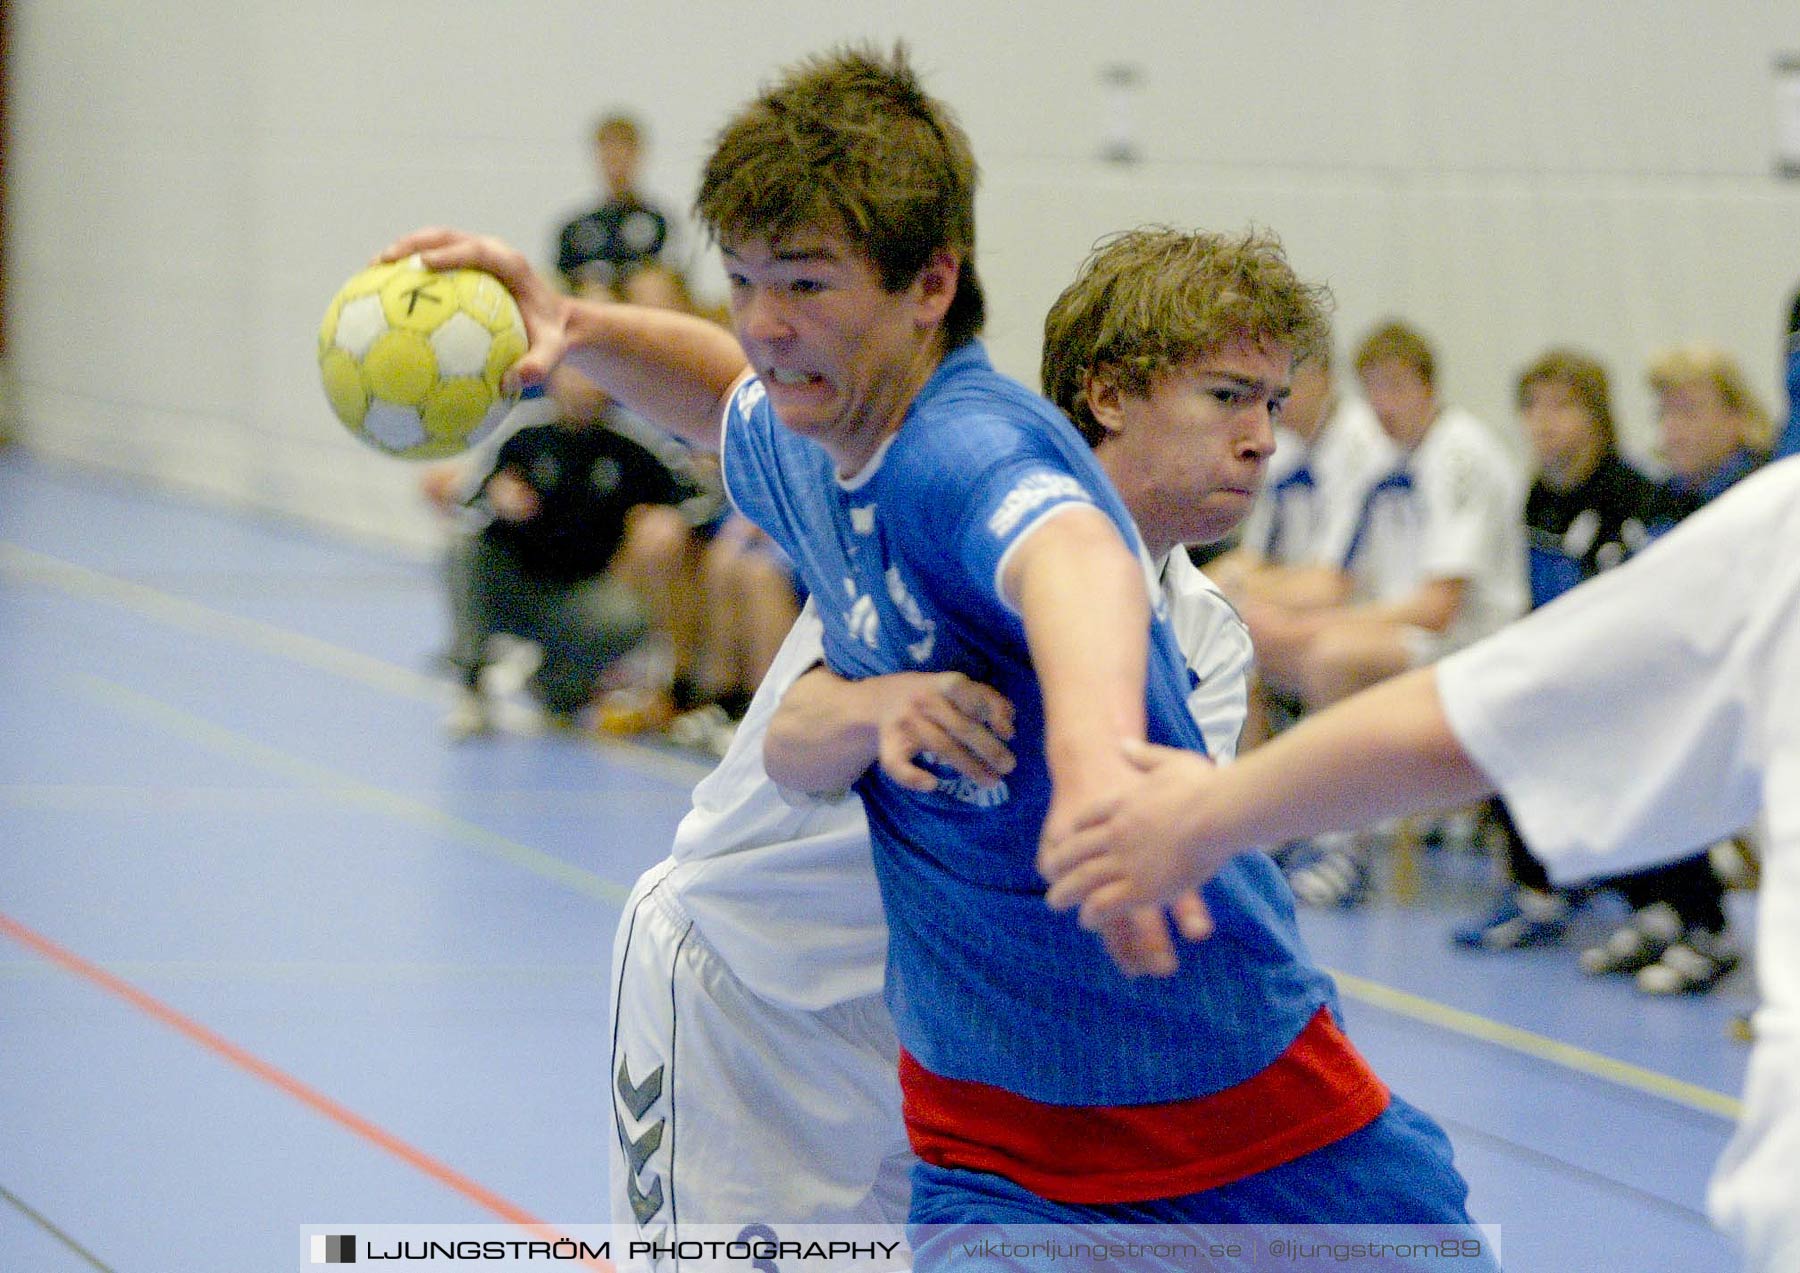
(720, 589)
(1711, 426)
(596, 248)
(752, 600)
(1587, 511)
(1329, 449)
(1432, 559)
(1713, 432)
(557, 504)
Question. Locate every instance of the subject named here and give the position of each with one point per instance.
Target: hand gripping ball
(412, 358)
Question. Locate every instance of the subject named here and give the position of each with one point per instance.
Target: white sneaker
(510, 663)
(1637, 943)
(1333, 871)
(468, 716)
(707, 728)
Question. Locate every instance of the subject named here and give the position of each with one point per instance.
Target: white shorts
(731, 1110)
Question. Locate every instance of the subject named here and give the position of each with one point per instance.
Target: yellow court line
(229, 742)
(1541, 1047)
(152, 603)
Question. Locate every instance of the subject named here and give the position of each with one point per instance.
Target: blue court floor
(273, 953)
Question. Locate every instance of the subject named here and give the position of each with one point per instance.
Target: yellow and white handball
(412, 358)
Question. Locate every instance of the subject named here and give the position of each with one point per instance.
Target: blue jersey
(985, 982)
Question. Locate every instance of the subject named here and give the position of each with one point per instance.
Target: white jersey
(1216, 645)
(1310, 488)
(1685, 664)
(783, 886)
(1452, 509)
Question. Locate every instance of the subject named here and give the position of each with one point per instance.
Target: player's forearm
(1081, 595)
(672, 369)
(1384, 752)
(825, 734)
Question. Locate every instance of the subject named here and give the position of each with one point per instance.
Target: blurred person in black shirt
(556, 506)
(1587, 511)
(598, 248)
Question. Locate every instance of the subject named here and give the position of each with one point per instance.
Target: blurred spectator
(1432, 559)
(596, 248)
(555, 507)
(721, 590)
(1712, 429)
(1328, 450)
(1587, 511)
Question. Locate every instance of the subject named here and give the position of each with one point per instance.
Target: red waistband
(1316, 1092)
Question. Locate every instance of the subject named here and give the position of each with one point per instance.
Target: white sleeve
(1630, 721)
(1216, 646)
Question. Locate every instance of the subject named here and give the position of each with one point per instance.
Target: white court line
(1542, 1047)
(295, 647)
(176, 612)
(418, 812)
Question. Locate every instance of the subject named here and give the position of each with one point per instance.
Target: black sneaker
(1692, 965)
(1637, 943)
(1524, 918)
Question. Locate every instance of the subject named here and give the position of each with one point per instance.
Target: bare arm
(671, 368)
(1383, 752)
(1081, 594)
(1243, 576)
(1433, 605)
(829, 730)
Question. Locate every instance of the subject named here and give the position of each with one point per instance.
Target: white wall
(192, 179)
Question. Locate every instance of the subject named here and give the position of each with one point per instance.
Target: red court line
(311, 1097)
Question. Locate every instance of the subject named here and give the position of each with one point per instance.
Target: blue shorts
(1396, 1171)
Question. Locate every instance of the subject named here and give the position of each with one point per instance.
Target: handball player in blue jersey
(947, 519)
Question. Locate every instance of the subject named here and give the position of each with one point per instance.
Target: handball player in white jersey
(1684, 662)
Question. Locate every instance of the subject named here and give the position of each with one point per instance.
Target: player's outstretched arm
(671, 368)
(829, 730)
(1081, 594)
(1386, 751)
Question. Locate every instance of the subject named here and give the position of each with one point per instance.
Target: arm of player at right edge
(1386, 751)
(673, 369)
